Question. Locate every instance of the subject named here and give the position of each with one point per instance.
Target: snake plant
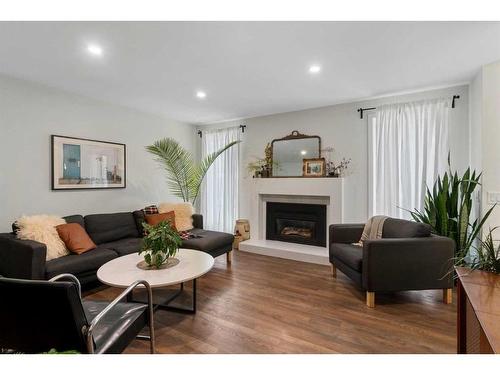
(184, 176)
(487, 257)
(447, 209)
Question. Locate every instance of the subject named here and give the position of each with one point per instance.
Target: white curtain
(219, 198)
(408, 148)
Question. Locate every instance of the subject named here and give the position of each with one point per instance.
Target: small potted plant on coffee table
(160, 243)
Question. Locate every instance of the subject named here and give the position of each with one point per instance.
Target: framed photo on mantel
(313, 167)
(79, 163)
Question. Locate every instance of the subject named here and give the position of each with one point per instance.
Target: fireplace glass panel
(297, 223)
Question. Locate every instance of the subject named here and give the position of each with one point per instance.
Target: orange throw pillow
(75, 238)
(158, 218)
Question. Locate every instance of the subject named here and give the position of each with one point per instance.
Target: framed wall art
(79, 163)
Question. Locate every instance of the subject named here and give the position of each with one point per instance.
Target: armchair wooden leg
(229, 256)
(334, 270)
(448, 296)
(370, 299)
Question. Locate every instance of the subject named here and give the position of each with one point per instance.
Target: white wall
(339, 126)
(30, 113)
(490, 141)
(475, 141)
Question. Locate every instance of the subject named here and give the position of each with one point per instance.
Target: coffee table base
(165, 302)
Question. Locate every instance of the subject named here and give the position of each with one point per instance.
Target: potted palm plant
(160, 243)
(184, 176)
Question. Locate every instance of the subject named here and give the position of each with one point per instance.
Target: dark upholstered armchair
(407, 257)
(37, 316)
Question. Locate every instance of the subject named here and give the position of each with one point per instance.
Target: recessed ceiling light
(303, 152)
(94, 49)
(314, 69)
(201, 94)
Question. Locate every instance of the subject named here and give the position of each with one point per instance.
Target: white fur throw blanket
(42, 228)
(373, 229)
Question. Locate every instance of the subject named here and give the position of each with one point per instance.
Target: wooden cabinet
(478, 309)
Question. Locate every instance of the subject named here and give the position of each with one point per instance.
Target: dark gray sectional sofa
(115, 234)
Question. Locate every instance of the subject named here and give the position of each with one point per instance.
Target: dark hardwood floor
(262, 304)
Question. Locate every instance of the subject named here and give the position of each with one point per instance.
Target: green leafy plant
(487, 257)
(184, 176)
(448, 207)
(160, 242)
(259, 165)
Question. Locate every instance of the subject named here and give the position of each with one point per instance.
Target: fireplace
(296, 222)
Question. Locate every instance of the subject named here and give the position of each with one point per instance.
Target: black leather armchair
(37, 316)
(407, 257)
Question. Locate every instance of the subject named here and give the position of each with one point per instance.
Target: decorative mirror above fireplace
(289, 152)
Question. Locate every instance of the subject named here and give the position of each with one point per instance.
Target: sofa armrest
(346, 233)
(198, 221)
(394, 264)
(22, 259)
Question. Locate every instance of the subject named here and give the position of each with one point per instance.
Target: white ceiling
(246, 68)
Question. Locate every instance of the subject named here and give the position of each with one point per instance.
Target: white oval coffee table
(123, 271)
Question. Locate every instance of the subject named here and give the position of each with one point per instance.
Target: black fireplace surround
(296, 222)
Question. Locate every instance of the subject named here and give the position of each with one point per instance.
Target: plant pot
(168, 263)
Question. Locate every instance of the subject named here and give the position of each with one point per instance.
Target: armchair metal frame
(90, 329)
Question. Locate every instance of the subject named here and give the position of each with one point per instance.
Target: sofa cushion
(15, 227)
(399, 228)
(207, 240)
(183, 214)
(139, 218)
(75, 219)
(75, 264)
(124, 246)
(75, 238)
(351, 255)
(155, 219)
(150, 210)
(110, 227)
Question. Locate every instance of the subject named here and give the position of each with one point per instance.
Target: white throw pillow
(42, 228)
(183, 214)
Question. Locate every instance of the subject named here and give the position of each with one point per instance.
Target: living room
(279, 187)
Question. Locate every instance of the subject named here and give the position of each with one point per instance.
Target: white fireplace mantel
(326, 191)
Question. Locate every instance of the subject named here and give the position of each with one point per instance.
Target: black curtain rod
(242, 127)
(361, 110)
